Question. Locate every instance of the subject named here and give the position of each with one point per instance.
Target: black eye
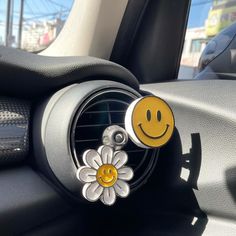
(158, 115)
(148, 115)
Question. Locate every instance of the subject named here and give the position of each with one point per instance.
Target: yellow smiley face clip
(149, 121)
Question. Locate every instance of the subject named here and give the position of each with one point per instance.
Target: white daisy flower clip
(104, 175)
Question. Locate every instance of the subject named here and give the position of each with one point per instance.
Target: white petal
(125, 173)
(106, 153)
(86, 174)
(109, 196)
(92, 158)
(122, 188)
(120, 159)
(92, 191)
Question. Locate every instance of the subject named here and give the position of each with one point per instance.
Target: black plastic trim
(151, 37)
(26, 201)
(14, 130)
(30, 75)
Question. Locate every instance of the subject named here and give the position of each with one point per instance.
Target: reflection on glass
(32, 24)
(207, 18)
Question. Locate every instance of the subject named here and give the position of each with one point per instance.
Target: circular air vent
(73, 120)
(102, 109)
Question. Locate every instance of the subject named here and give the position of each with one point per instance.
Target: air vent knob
(115, 136)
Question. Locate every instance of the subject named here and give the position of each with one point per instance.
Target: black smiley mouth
(153, 137)
(107, 182)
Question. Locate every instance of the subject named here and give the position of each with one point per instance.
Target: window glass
(206, 19)
(32, 25)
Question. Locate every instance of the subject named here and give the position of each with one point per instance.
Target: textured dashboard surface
(27, 201)
(26, 74)
(207, 109)
(14, 129)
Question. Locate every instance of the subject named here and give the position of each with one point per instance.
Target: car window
(32, 25)
(206, 19)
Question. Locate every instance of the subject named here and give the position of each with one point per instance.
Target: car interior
(58, 106)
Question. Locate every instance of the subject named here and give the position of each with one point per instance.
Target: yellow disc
(150, 122)
(107, 175)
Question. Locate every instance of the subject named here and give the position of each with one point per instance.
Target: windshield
(32, 25)
(206, 19)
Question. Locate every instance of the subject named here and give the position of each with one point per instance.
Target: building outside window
(207, 18)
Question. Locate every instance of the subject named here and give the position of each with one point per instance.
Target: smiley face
(107, 175)
(149, 122)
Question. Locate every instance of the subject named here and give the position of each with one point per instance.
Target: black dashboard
(60, 107)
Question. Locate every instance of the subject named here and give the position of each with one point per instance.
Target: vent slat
(137, 150)
(96, 119)
(86, 126)
(97, 112)
(86, 140)
(98, 125)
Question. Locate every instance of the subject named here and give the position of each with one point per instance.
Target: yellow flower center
(107, 175)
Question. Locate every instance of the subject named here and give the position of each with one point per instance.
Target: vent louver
(100, 111)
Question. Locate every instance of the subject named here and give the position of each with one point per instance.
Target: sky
(198, 12)
(34, 10)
